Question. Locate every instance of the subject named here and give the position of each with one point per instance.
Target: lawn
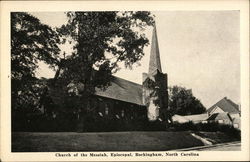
(112, 141)
(217, 137)
(106, 141)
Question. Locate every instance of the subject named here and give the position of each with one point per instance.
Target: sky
(199, 50)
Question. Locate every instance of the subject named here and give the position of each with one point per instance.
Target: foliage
(26, 102)
(31, 42)
(102, 40)
(67, 122)
(182, 102)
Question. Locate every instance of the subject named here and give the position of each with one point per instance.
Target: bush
(69, 123)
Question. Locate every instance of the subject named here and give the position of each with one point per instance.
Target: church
(125, 101)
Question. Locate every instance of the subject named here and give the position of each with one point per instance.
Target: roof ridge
(225, 100)
(209, 109)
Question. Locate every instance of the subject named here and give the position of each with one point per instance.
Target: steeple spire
(155, 61)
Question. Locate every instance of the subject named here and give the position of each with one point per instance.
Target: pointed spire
(155, 61)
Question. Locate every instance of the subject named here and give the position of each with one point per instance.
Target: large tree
(182, 102)
(103, 40)
(31, 42)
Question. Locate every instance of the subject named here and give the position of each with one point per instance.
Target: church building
(126, 100)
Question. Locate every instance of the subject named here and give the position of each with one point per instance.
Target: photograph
(122, 80)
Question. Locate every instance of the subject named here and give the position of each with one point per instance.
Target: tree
(31, 41)
(102, 41)
(182, 102)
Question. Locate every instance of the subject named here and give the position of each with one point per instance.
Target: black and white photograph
(70, 90)
(126, 83)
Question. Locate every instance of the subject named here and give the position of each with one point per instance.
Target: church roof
(226, 105)
(119, 89)
(123, 90)
(155, 61)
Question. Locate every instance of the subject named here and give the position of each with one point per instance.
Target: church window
(117, 116)
(53, 115)
(122, 113)
(100, 114)
(106, 109)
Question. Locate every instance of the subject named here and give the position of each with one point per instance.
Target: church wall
(114, 109)
(114, 115)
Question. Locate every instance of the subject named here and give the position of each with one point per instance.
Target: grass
(106, 141)
(217, 137)
(111, 141)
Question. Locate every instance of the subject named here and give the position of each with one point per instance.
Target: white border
(8, 6)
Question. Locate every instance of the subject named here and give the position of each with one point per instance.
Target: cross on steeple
(155, 61)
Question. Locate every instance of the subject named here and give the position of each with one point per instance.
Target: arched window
(123, 113)
(106, 109)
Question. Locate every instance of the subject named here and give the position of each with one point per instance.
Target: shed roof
(198, 117)
(179, 118)
(187, 118)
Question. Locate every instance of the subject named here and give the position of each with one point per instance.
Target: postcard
(125, 80)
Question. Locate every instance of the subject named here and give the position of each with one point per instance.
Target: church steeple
(154, 85)
(155, 61)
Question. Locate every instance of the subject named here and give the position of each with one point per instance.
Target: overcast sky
(199, 50)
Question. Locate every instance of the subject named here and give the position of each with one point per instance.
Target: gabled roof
(119, 89)
(226, 105)
(219, 116)
(123, 90)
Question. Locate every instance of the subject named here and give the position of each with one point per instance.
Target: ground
(105, 141)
